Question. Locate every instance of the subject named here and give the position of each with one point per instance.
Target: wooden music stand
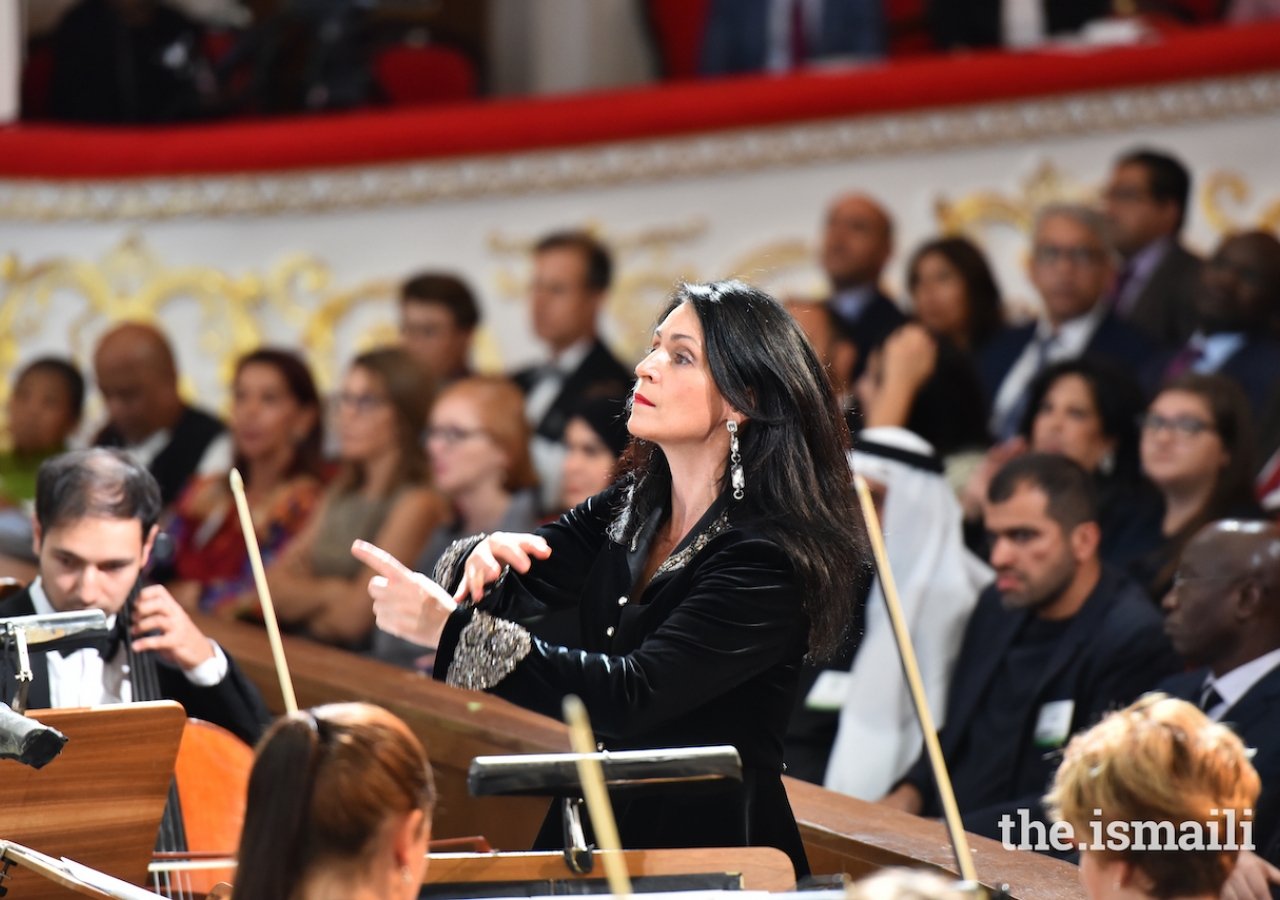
(100, 801)
(761, 868)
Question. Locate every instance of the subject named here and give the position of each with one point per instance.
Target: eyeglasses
(450, 436)
(1180, 581)
(1049, 254)
(1128, 195)
(361, 404)
(1183, 426)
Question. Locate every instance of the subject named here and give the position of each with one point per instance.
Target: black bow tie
(107, 644)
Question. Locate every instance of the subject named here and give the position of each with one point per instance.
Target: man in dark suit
(571, 274)
(1224, 618)
(778, 35)
(1146, 204)
(1236, 301)
(1072, 266)
(856, 244)
(95, 527)
(438, 320)
(148, 419)
(1058, 640)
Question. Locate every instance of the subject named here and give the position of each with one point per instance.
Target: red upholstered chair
(425, 75)
(37, 77)
(678, 26)
(908, 27)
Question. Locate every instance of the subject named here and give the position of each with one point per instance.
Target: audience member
(1146, 206)
(907, 884)
(1158, 761)
(571, 274)
(1055, 642)
(1236, 303)
(1267, 485)
(595, 440)
(857, 243)
(1197, 448)
(837, 347)
(438, 320)
(96, 513)
(924, 384)
(138, 378)
(938, 584)
(43, 412)
(959, 24)
(1072, 267)
(380, 495)
(1087, 409)
(779, 35)
(339, 805)
(128, 61)
(954, 294)
(478, 446)
(1224, 618)
(277, 433)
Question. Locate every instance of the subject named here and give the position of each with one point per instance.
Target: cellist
(95, 528)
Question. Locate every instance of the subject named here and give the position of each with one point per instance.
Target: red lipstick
(642, 400)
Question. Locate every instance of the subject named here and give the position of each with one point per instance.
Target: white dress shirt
(217, 457)
(1068, 342)
(1215, 350)
(84, 678)
(1238, 682)
(548, 455)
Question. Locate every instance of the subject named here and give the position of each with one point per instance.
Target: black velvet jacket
(709, 653)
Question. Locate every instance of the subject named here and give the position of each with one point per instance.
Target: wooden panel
(100, 801)
(762, 868)
(841, 834)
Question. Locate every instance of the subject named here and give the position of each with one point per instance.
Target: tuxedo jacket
(599, 375)
(234, 702)
(736, 38)
(1255, 717)
(1113, 650)
(1255, 367)
(1165, 308)
(1114, 338)
(977, 23)
(879, 318)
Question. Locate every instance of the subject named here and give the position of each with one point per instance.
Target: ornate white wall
(311, 260)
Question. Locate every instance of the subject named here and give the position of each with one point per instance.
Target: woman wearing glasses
(381, 494)
(731, 548)
(478, 447)
(1198, 449)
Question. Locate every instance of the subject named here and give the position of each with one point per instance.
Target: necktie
(1182, 361)
(1117, 290)
(1209, 698)
(1009, 427)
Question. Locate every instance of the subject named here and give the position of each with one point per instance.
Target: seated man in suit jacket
(1236, 301)
(1058, 640)
(1146, 204)
(571, 274)
(138, 377)
(760, 35)
(1072, 266)
(1224, 618)
(856, 244)
(95, 527)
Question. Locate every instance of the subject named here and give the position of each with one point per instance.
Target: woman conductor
(728, 550)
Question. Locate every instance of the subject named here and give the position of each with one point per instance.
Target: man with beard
(1055, 642)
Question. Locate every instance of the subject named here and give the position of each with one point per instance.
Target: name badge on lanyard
(1053, 726)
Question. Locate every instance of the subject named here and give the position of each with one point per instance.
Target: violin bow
(959, 842)
(264, 593)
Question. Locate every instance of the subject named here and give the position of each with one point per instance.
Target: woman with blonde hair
(478, 448)
(339, 806)
(1160, 764)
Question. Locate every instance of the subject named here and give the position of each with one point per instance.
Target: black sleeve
(234, 702)
(741, 615)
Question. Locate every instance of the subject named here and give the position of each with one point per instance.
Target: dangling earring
(736, 478)
(1107, 465)
(407, 874)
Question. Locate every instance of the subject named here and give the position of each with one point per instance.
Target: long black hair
(799, 488)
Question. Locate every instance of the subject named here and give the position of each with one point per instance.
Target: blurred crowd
(1079, 508)
(172, 60)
